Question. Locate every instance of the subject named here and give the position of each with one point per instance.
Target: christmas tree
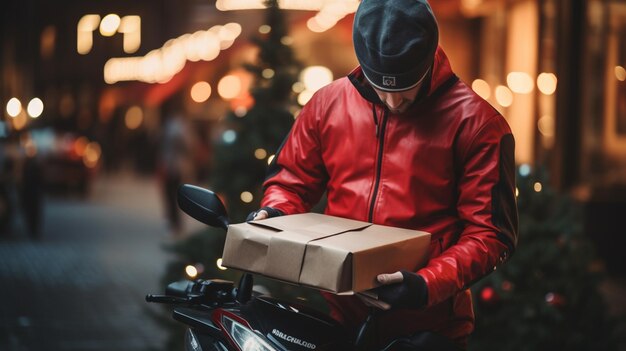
(251, 137)
(546, 296)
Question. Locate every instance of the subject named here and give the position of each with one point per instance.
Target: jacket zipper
(375, 115)
(380, 134)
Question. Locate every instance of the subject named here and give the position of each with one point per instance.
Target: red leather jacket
(445, 166)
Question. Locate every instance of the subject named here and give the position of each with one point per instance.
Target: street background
(108, 106)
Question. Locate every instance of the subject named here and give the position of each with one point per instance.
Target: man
(402, 142)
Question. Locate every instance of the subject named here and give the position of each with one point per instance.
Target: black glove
(412, 292)
(271, 212)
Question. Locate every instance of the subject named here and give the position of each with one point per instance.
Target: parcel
(325, 252)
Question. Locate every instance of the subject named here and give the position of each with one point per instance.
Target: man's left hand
(401, 290)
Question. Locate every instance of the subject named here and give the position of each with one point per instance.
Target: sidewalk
(82, 286)
(140, 195)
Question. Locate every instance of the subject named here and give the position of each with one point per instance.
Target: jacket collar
(440, 75)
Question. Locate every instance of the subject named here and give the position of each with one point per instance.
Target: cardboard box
(329, 253)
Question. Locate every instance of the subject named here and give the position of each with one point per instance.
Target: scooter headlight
(246, 339)
(191, 342)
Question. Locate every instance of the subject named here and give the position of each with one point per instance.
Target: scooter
(223, 317)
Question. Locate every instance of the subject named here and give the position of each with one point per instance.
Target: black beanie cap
(395, 42)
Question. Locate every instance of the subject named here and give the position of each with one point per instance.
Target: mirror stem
(244, 290)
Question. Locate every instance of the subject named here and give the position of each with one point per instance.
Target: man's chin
(397, 111)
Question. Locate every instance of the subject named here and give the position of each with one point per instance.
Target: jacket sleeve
(297, 177)
(487, 208)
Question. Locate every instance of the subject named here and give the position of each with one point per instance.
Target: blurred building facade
(554, 68)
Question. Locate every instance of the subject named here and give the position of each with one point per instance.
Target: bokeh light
(109, 25)
(286, 40)
(229, 87)
(92, 154)
(14, 107)
(620, 73)
(260, 153)
(200, 92)
(520, 82)
(131, 27)
(191, 271)
(88, 23)
(130, 24)
(546, 82)
(246, 197)
(241, 111)
(35, 107)
(218, 263)
(267, 73)
(229, 136)
(80, 146)
(160, 65)
(504, 96)
(304, 97)
(524, 170)
(229, 31)
(545, 124)
(481, 88)
(133, 117)
(84, 33)
(315, 77)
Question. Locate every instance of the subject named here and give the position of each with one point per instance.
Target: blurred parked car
(69, 161)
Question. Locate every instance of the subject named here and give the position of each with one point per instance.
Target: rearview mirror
(203, 205)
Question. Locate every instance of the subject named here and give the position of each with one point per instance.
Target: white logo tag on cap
(389, 81)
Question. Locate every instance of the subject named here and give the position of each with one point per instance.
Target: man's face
(398, 102)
